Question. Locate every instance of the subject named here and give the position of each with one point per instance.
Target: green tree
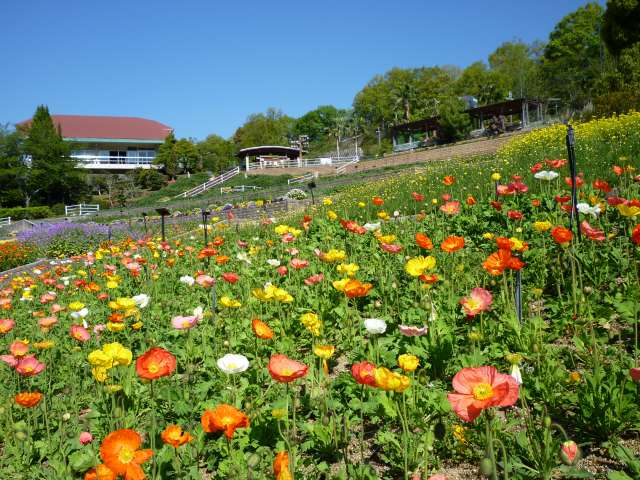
(518, 64)
(573, 59)
(187, 155)
(621, 25)
(10, 166)
(216, 153)
(454, 122)
(48, 174)
(167, 156)
(270, 128)
(485, 85)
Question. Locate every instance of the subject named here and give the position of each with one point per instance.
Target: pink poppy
(391, 248)
(411, 331)
(79, 333)
(29, 366)
(518, 187)
(288, 238)
(591, 233)
(635, 374)
(19, 348)
(48, 297)
(46, 323)
(505, 190)
(186, 322)
(451, 208)
(313, 279)
(299, 263)
(282, 270)
(479, 301)
(477, 389)
(293, 251)
(55, 308)
(242, 243)
(9, 360)
(205, 281)
(6, 325)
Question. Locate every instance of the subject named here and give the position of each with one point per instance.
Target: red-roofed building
(111, 143)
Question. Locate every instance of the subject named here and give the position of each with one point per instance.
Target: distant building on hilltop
(111, 143)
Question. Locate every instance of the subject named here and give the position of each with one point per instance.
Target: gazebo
(271, 156)
(407, 136)
(519, 106)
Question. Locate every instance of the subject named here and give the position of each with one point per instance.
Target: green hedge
(20, 213)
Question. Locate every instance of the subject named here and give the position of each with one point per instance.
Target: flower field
(448, 319)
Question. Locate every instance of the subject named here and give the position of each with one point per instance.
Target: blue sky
(202, 66)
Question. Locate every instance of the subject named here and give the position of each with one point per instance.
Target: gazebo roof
(290, 152)
(508, 107)
(417, 126)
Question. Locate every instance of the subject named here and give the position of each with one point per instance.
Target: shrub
(20, 213)
(296, 194)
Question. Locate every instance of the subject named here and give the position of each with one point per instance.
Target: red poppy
(504, 190)
(518, 187)
(449, 180)
(562, 199)
(556, 163)
(635, 235)
(561, 235)
(353, 227)
(230, 277)
(224, 418)
(429, 279)
(423, 241)
(477, 389)
(418, 197)
(613, 201)
(536, 168)
(496, 205)
(445, 197)
(579, 181)
(364, 373)
(378, 201)
(535, 202)
(313, 279)
(515, 215)
(306, 221)
(452, 244)
(601, 185)
(155, 363)
(283, 369)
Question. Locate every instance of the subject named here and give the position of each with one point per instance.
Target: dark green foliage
(216, 153)
(454, 122)
(621, 25)
(19, 213)
(270, 128)
(149, 179)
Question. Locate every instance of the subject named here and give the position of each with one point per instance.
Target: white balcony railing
(96, 161)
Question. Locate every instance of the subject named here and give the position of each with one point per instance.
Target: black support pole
(571, 142)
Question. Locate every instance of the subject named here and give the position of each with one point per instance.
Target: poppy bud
(569, 452)
(21, 435)
(486, 467)
(547, 422)
(253, 460)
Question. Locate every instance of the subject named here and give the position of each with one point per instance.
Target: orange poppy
(561, 235)
(281, 466)
(119, 452)
(100, 472)
(261, 329)
(355, 288)
(429, 279)
(207, 252)
(283, 369)
(224, 418)
(174, 436)
(28, 399)
(452, 244)
(501, 260)
(218, 241)
(635, 235)
(471, 200)
(377, 201)
(155, 363)
(364, 373)
(449, 180)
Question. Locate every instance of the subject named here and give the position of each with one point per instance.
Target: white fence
(343, 168)
(80, 210)
(304, 178)
(4, 221)
(239, 188)
(300, 162)
(210, 183)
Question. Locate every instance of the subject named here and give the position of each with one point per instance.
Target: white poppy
(515, 373)
(80, 313)
(188, 280)
(243, 257)
(141, 300)
(274, 262)
(587, 209)
(233, 363)
(375, 325)
(371, 227)
(546, 175)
